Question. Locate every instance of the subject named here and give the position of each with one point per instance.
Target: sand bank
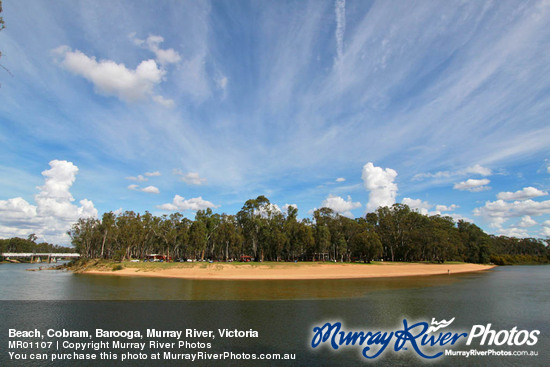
(290, 270)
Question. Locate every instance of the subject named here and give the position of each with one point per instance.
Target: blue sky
(183, 105)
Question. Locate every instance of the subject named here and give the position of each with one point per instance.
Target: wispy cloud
(340, 10)
(191, 178)
(475, 169)
(152, 174)
(284, 95)
(139, 178)
(152, 43)
(473, 185)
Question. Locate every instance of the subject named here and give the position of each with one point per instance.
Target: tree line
(29, 245)
(260, 230)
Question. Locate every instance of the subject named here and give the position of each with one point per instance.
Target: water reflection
(20, 284)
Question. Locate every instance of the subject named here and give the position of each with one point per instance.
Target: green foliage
(117, 267)
(367, 245)
(505, 259)
(17, 244)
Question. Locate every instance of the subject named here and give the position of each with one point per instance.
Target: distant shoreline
(281, 271)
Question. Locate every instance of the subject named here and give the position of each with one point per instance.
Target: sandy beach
(290, 270)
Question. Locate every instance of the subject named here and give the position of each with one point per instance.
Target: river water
(284, 313)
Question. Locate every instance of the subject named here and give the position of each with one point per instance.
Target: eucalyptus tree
(211, 222)
(182, 240)
(84, 236)
(198, 239)
(292, 231)
(366, 244)
(251, 222)
(273, 234)
(442, 239)
(327, 231)
(476, 243)
(128, 225)
(347, 229)
(304, 239)
(394, 228)
(168, 231)
(229, 236)
(107, 229)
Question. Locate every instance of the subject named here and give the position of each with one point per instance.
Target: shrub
(118, 267)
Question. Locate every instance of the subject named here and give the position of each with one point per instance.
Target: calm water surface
(64, 285)
(283, 312)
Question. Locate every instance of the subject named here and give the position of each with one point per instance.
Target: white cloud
(513, 232)
(340, 179)
(112, 79)
(194, 204)
(168, 56)
(523, 194)
(526, 221)
(16, 210)
(148, 189)
(423, 207)
(476, 169)
(138, 178)
(472, 185)
(191, 178)
(152, 174)
(53, 214)
(379, 182)
(498, 212)
(545, 231)
(340, 10)
(340, 205)
(151, 190)
(446, 208)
